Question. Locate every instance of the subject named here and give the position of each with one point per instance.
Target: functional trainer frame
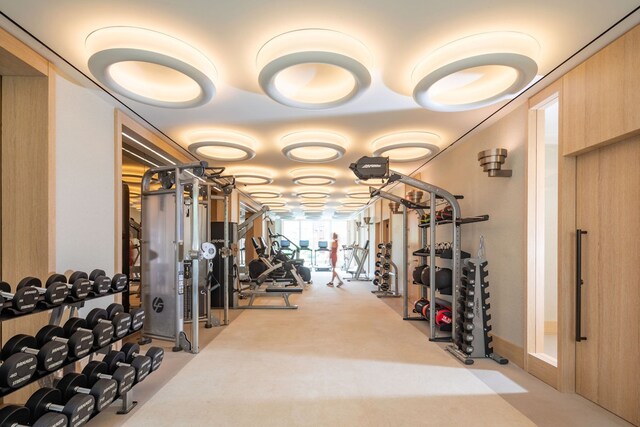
(173, 246)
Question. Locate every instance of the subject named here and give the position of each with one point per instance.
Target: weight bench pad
(284, 290)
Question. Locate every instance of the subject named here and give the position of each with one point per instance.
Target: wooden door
(608, 209)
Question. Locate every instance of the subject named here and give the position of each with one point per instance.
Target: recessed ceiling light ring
(269, 73)
(288, 151)
(359, 195)
(430, 148)
(255, 179)
(249, 153)
(314, 195)
(100, 62)
(525, 68)
(265, 194)
(314, 180)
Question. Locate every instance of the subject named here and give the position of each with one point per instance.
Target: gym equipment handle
(579, 283)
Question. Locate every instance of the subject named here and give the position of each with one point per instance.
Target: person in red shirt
(334, 261)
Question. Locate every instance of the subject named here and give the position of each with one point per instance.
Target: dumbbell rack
(384, 267)
(471, 338)
(55, 319)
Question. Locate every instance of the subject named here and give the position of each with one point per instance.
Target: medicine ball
(424, 276)
(417, 273)
(444, 278)
(421, 306)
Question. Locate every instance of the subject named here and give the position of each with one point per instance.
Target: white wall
(84, 180)
(458, 171)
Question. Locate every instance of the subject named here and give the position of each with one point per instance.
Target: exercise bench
(272, 291)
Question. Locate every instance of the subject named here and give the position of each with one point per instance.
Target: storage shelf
(441, 255)
(8, 313)
(69, 362)
(462, 221)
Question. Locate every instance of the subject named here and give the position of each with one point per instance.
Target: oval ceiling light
(406, 146)
(222, 146)
(274, 204)
(476, 71)
(312, 204)
(312, 177)
(260, 194)
(151, 67)
(358, 193)
(253, 176)
(313, 195)
(352, 205)
(313, 146)
(313, 68)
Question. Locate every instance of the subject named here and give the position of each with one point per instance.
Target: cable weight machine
(177, 251)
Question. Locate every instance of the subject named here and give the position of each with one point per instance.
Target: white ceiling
(398, 33)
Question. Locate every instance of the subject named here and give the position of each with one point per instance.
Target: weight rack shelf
(469, 220)
(42, 374)
(7, 313)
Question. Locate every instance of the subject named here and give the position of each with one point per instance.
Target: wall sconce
(367, 220)
(394, 207)
(492, 160)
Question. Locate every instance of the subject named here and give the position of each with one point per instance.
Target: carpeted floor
(343, 359)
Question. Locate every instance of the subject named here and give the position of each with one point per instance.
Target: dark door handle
(579, 283)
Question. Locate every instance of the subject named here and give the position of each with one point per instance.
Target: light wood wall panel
(25, 173)
(602, 95)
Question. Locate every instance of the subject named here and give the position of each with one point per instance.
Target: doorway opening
(542, 221)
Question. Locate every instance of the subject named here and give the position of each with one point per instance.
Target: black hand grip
(579, 283)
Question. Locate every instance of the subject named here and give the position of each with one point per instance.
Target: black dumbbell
(23, 300)
(79, 343)
(388, 245)
(19, 416)
(125, 376)
(78, 409)
(117, 359)
(78, 290)
(102, 332)
(50, 356)
(137, 315)
(104, 391)
(132, 350)
(118, 281)
(120, 320)
(54, 294)
(99, 285)
(17, 370)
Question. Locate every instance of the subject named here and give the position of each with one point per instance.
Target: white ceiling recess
(397, 35)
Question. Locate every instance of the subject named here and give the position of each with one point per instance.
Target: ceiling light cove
(151, 67)
(313, 68)
(358, 193)
(476, 71)
(313, 177)
(223, 146)
(272, 204)
(404, 147)
(312, 204)
(263, 194)
(251, 176)
(314, 146)
(313, 195)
